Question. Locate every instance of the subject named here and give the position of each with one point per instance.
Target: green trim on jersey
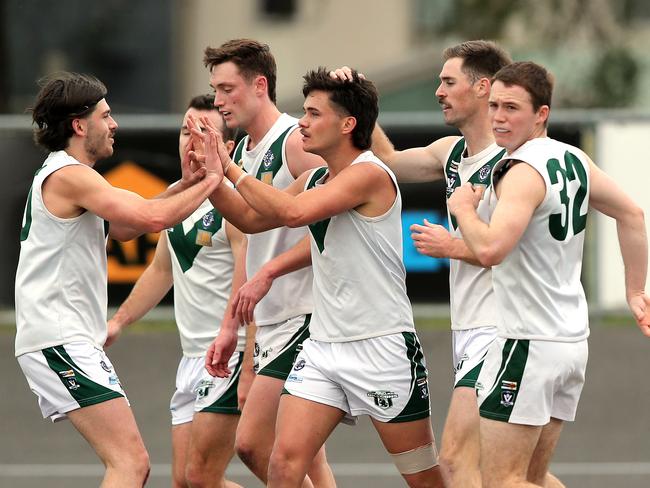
(227, 403)
(418, 406)
(272, 160)
(24, 232)
(318, 229)
(107, 226)
(185, 245)
(479, 177)
(281, 366)
(501, 399)
(84, 390)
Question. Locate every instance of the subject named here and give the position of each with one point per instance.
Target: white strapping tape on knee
(416, 460)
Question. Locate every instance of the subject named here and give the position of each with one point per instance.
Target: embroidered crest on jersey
(187, 246)
(267, 159)
(484, 172)
(383, 398)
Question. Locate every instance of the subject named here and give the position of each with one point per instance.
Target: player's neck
(478, 135)
(340, 157)
(261, 123)
(76, 150)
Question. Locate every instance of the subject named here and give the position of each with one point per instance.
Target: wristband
(241, 178)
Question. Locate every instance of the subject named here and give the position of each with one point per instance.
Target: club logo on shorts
(299, 365)
(424, 388)
(507, 398)
(294, 378)
(113, 380)
(203, 388)
(104, 366)
(383, 398)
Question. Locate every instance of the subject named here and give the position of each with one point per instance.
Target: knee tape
(416, 460)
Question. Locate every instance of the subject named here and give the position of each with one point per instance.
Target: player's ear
(349, 123)
(483, 86)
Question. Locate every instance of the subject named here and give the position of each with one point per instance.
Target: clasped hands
(206, 152)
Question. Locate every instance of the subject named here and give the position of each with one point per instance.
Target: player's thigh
(303, 426)
(544, 450)
(404, 436)
(212, 439)
(261, 408)
(506, 449)
(461, 429)
(110, 428)
(180, 445)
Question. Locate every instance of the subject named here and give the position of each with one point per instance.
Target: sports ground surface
(608, 445)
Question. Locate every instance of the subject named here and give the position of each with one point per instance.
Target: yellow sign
(127, 260)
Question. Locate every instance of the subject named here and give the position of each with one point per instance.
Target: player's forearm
(477, 238)
(461, 251)
(147, 292)
(298, 257)
(275, 206)
(237, 210)
(633, 242)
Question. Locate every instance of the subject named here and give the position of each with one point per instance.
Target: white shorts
(469, 348)
(277, 345)
(384, 377)
(197, 391)
(528, 381)
(70, 376)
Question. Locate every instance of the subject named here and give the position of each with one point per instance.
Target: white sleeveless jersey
(290, 295)
(61, 277)
(472, 301)
(537, 285)
(359, 278)
(202, 266)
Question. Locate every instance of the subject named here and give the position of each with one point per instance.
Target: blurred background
(149, 54)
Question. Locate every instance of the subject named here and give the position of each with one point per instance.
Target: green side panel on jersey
(417, 406)
(272, 160)
(318, 229)
(107, 226)
(498, 405)
(184, 245)
(84, 390)
(237, 155)
(24, 232)
(450, 169)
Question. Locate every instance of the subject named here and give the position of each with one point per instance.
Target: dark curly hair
(62, 98)
(357, 98)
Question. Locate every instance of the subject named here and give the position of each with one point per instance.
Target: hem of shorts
(273, 374)
(316, 399)
(466, 383)
(424, 414)
(283, 318)
(104, 397)
(224, 410)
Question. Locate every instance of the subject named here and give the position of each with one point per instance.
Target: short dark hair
(253, 58)
(532, 77)
(357, 98)
(206, 102)
(62, 98)
(481, 59)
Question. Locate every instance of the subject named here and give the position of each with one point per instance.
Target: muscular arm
(521, 190)
(413, 165)
(608, 198)
(151, 287)
(73, 188)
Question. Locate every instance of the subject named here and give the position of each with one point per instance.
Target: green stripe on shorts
(501, 399)
(228, 402)
(418, 405)
(84, 390)
(281, 366)
(472, 375)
